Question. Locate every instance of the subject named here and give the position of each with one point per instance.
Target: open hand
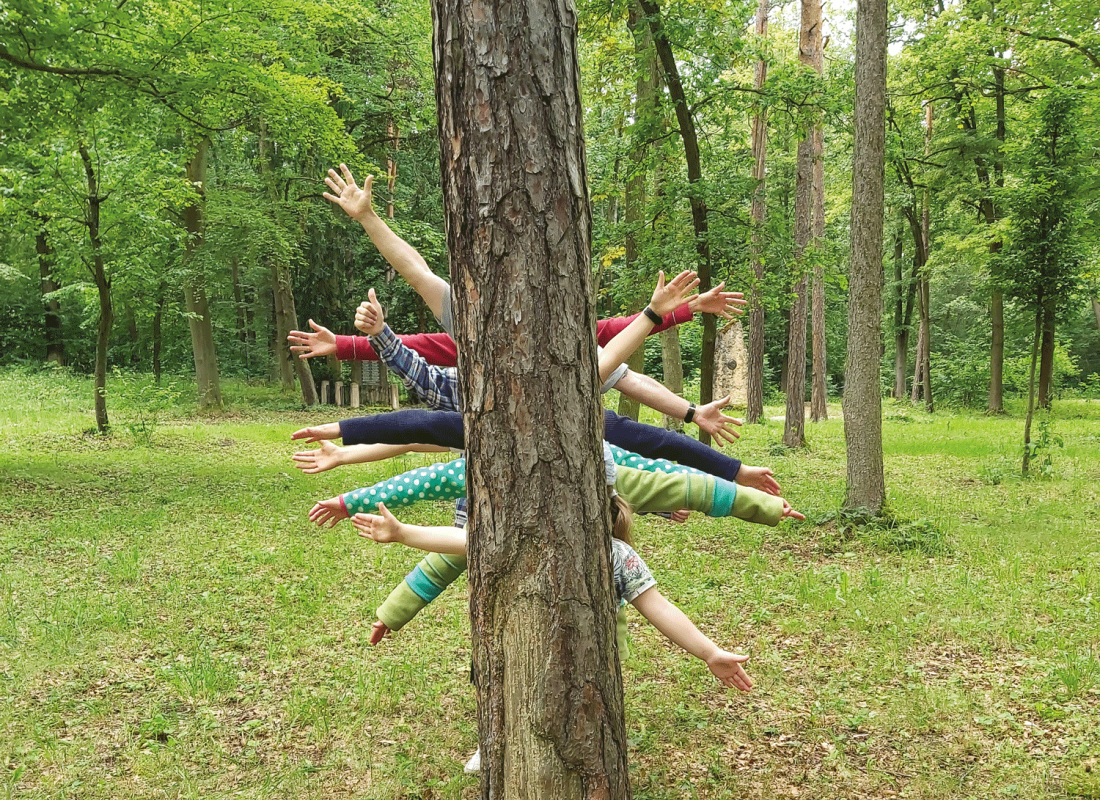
(727, 668)
(319, 342)
(355, 201)
(328, 512)
(721, 304)
(666, 297)
(382, 527)
(710, 418)
(314, 461)
(760, 478)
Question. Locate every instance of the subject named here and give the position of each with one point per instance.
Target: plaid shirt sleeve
(437, 387)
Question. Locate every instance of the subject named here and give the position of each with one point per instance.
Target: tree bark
(690, 138)
(98, 269)
(814, 55)
(550, 707)
(52, 334)
(996, 403)
(1046, 357)
(628, 406)
(755, 368)
(1096, 311)
(862, 392)
(207, 377)
(672, 363)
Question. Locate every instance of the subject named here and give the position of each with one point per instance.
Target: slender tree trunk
(813, 53)
(901, 328)
(238, 299)
(1096, 311)
(550, 705)
(158, 330)
(688, 134)
(754, 386)
(1046, 357)
(996, 300)
(628, 406)
(98, 269)
(1031, 388)
(199, 321)
(862, 392)
(673, 368)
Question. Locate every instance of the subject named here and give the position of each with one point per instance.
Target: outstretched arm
(318, 342)
(384, 528)
(317, 433)
(674, 623)
(657, 396)
(329, 456)
(357, 203)
(665, 299)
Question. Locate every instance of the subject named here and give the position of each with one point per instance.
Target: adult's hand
(318, 342)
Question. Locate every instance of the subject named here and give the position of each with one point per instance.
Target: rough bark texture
(996, 301)
(754, 411)
(550, 712)
(98, 269)
(628, 406)
(194, 293)
(862, 393)
(689, 136)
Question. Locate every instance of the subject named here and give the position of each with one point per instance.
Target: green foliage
(886, 531)
(1041, 448)
(142, 404)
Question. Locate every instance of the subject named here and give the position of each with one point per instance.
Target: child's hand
(760, 478)
(356, 202)
(721, 304)
(727, 668)
(680, 516)
(318, 432)
(320, 342)
(790, 512)
(382, 527)
(328, 512)
(710, 418)
(378, 631)
(314, 461)
(369, 317)
(666, 298)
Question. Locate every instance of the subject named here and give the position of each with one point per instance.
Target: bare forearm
(367, 453)
(674, 624)
(652, 393)
(444, 539)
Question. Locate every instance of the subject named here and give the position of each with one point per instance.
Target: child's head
(622, 519)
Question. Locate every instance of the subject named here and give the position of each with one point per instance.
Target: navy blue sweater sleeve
(653, 442)
(408, 426)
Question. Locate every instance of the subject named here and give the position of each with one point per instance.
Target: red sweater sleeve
(608, 329)
(437, 348)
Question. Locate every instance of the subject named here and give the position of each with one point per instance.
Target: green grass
(171, 625)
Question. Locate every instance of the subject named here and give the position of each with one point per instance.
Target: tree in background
(1041, 262)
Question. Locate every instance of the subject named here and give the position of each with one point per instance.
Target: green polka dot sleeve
(625, 458)
(444, 481)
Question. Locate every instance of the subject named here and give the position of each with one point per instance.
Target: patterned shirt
(632, 576)
(436, 387)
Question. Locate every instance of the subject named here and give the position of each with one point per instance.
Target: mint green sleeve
(443, 481)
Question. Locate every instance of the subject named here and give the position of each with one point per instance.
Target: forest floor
(172, 626)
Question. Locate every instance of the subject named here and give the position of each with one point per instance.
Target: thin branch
(1061, 40)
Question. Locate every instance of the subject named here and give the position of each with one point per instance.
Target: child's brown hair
(622, 519)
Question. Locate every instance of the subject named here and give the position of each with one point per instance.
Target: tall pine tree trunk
(754, 378)
(862, 392)
(550, 705)
(818, 388)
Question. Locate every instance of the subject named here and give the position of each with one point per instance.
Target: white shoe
(473, 766)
